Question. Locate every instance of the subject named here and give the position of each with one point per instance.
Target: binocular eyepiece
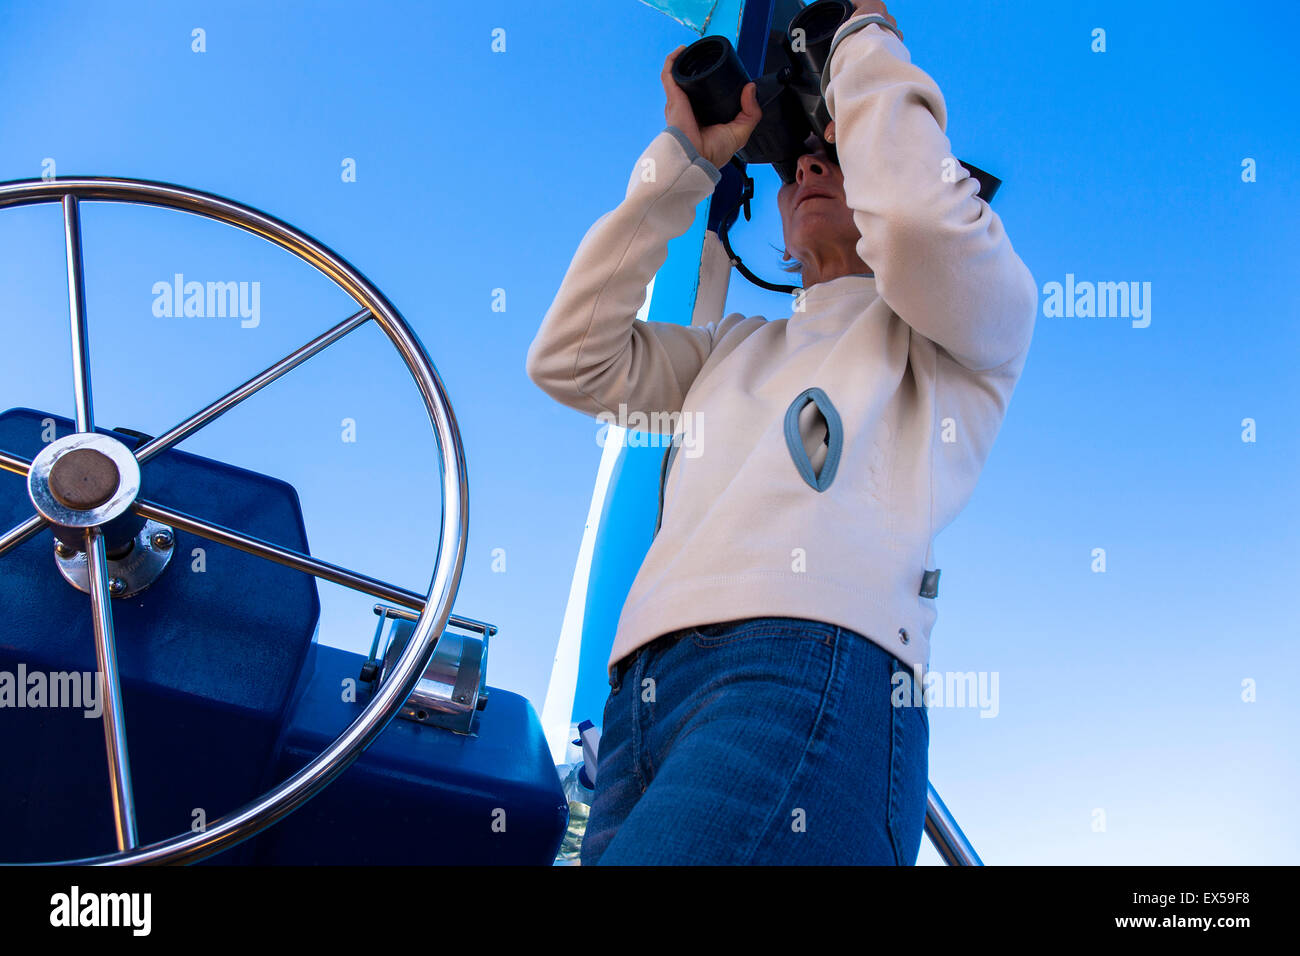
(711, 74)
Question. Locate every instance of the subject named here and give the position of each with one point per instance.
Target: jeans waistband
(621, 666)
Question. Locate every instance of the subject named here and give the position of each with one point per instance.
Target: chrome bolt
(116, 586)
(63, 550)
(162, 540)
(902, 635)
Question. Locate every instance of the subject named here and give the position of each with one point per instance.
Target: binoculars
(711, 74)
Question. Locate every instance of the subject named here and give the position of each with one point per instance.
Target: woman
(761, 706)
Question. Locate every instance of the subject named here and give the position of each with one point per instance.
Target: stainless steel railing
(941, 827)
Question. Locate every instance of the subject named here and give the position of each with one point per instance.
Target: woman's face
(815, 216)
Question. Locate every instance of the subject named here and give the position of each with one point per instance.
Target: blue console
(226, 694)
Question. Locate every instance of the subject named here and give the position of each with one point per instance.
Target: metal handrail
(941, 827)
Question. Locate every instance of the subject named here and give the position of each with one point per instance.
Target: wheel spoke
(19, 466)
(222, 405)
(300, 562)
(21, 533)
(77, 313)
(119, 764)
(286, 556)
(33, 525)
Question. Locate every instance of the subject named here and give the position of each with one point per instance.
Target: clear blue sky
(479, 170)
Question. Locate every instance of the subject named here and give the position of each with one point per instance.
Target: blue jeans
(761, 741)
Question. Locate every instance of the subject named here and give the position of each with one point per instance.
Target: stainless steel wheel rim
(283, 799)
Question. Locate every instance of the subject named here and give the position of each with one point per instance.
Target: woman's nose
(808, 163)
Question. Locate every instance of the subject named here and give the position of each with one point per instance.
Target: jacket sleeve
(591, 352)
(942, 260)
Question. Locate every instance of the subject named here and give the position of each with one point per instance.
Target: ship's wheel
(85, 487)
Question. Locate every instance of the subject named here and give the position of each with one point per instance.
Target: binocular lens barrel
(811, 31)
(789, 92)
(713, 78)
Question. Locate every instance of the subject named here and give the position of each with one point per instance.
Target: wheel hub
(81, 481)
(88, 480)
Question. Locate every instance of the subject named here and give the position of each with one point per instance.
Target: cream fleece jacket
(832, 446)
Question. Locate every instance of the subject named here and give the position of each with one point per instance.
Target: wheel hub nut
(83, 479)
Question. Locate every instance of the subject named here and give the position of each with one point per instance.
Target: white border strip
(557, 710)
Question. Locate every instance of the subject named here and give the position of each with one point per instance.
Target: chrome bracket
(141, 566)
(453, 688)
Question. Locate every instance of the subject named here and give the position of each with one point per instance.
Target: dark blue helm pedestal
(226, 693)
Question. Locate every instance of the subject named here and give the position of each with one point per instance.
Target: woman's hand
(876, 7)
(717, 143)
